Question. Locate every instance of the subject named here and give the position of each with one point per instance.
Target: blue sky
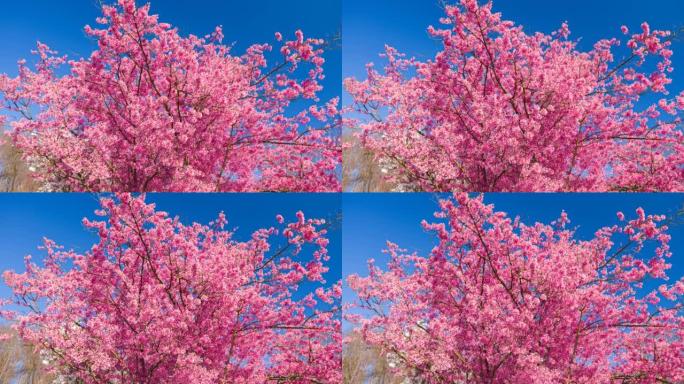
(26, 218)
(369, 25)
(372, 219)
(60, 25)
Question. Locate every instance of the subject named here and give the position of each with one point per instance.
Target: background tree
(151, 110)
(360, 171)
(364, 363)
(498, 109)
(157, 301)
(499, 301)
(15, 176)
(19, 362)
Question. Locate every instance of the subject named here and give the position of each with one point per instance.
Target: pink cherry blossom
(157, 301)
(501, 301)
(151, 110)
(498, 109)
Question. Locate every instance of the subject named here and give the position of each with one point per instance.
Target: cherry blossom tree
(150, 110)
(157, 301)
(498, 109)
(499, 301)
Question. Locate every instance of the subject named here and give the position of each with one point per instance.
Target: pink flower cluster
(498, 109)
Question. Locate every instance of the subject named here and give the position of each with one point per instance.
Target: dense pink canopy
(499, 301)
(157, 301)
(151, 110)
(498, 109)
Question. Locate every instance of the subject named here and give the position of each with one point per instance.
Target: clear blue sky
(370, 24)
(26, 218)
(60, 25)
(372, 219)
